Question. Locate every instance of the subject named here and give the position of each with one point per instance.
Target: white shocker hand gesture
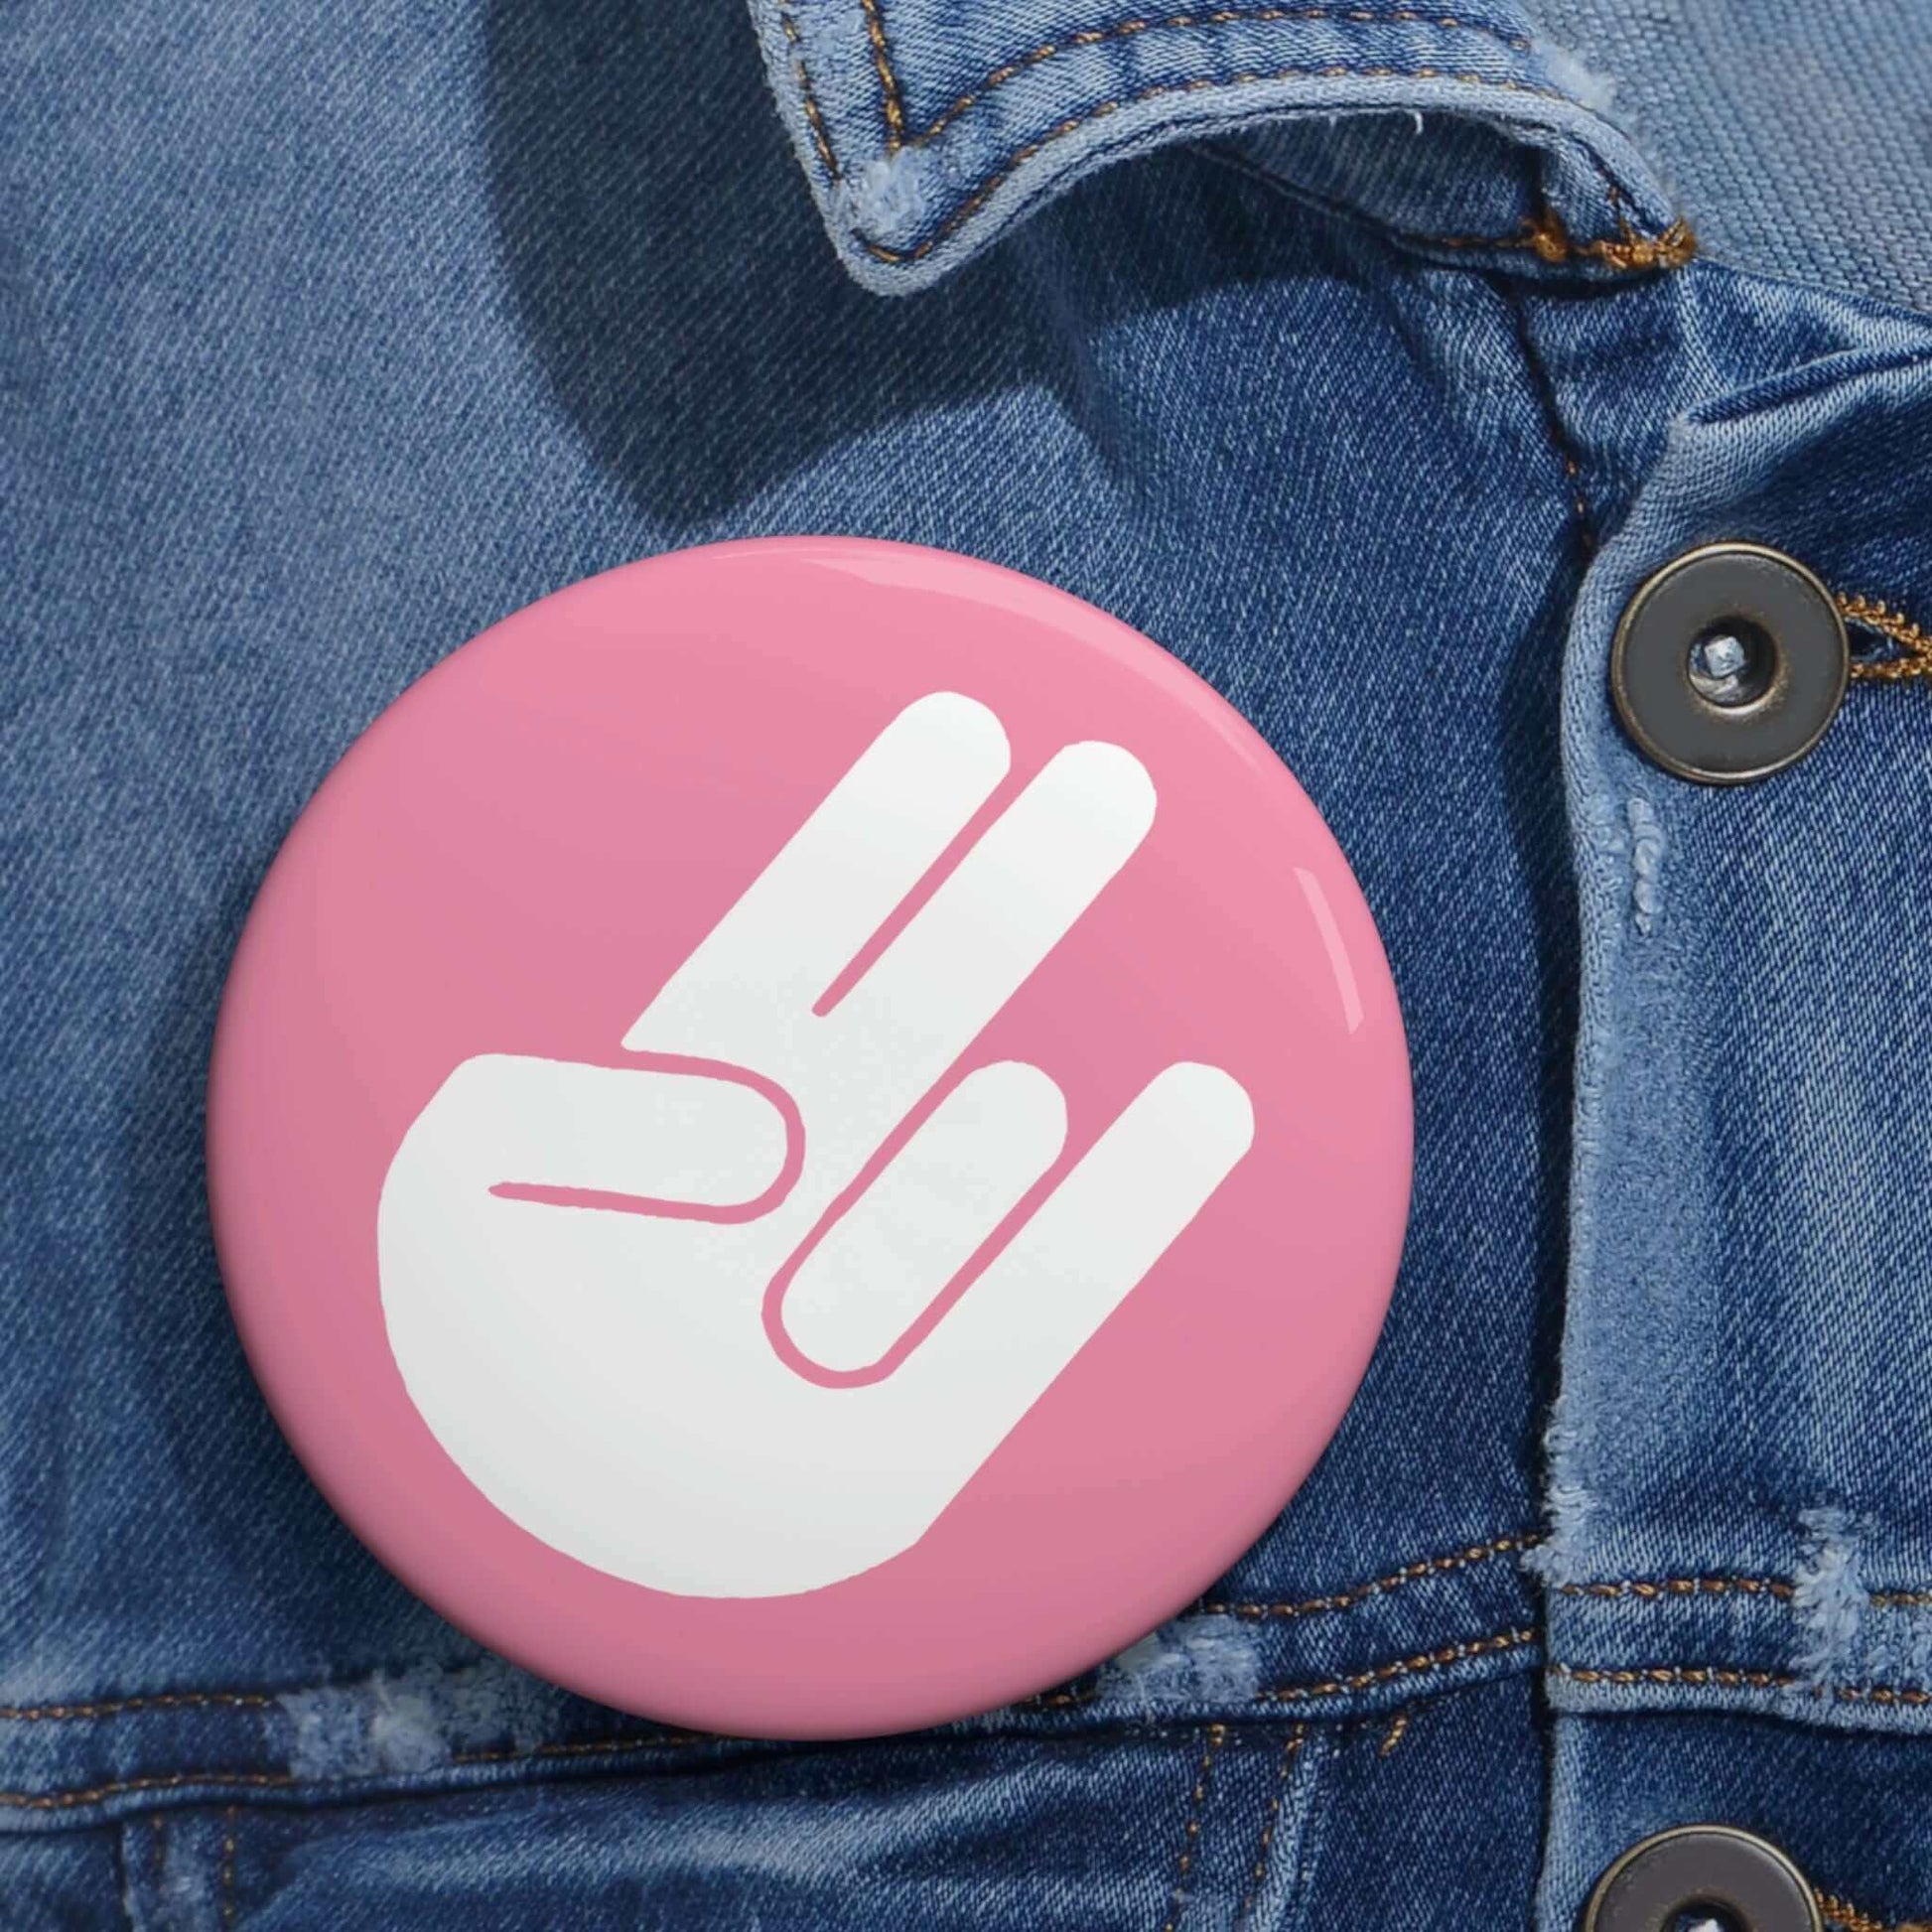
(644, 1307)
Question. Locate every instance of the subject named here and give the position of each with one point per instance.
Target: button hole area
(1732, 665)
(1903, 648)
(1699, 1916)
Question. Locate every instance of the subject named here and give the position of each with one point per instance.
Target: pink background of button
(518, 854)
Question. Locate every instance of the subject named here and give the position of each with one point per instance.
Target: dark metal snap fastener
(1711, 1871)
(1729, 663)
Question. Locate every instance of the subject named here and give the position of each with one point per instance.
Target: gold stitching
(1397, 1732)
(173, 1782)
(1881, 1693)
(1915, 662)
(1674, 246)
(1629, 253)
(881, 62)
(1732, 1676)
(1336, 1687)
(1697, 1673)
(113, 1707)
(591, 1747)
(1650, 1589)
(1843, 1914)
(244, 1700)
(1347, 1600)
(820, 138)
(1546, 235)
(1183, 22)
(1059, 1699)
(286, 1780)
(1432, 1660)
(1633, 252)
(1290, 1751)
(1216, 1737)
(226, 1884)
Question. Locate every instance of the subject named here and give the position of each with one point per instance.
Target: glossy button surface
(809, 1136)
(1714, 1871)
(1729, 663)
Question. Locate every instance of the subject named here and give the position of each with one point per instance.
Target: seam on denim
(882, 61)
(1432, 1660)
(1631, 252)
(1543, 234)
(160, 1821)
(1628, 252)
(1332, 1687)
(1732, 1676)
(288, 1781)
(116, 1707)
(225, 1887)
(1627, 1676)
(1290, 1750)
(589, 1748)
(1336, 1601)
(1347, 1600)
(1203, 84)
(1554, 428)
(1395, 1733)
(1059, 1699)
(808, 99)
(124, 1856)
(1651, 1590)
(1192, 21)
(171, 1781)
(1190, 1837)
(1917, 661)
(1844, 1914)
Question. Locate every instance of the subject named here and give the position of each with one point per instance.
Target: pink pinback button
(809, 1136)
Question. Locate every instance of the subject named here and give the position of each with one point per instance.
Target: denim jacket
(1368, 358)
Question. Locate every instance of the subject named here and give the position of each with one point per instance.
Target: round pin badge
(809, 1136)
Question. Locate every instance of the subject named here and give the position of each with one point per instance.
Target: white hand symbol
(635, 1304)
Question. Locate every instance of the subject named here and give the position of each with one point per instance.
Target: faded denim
(1370, 385)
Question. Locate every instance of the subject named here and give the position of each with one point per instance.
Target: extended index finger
(997, 916)
(841, 874)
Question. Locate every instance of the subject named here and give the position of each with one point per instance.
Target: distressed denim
(1364, 358)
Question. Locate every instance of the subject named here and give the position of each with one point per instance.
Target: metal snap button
(1729, 663)
(1712, 1870)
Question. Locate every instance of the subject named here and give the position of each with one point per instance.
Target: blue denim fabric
(926, 136)
(1796, 131)
(1372, 396)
